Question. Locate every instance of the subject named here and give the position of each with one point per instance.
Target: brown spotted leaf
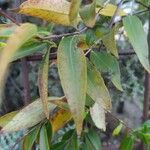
(73, 74)
(56, 11)
(43, 82)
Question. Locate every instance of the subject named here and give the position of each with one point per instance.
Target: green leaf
(117, 129)
(73, 12)
(29, 48)
(70, 138)
(138, 38)
(96, 88)
(73, 75)
(109, 41)
(7, 118)
(94, 139)
(29, 116)
(49, 131)
(68, 142)
(44, 143)
(21, 35)
(43, 82)
(30, 138)
(105, 62)
(127, 143)
(88, 14)
(98, 116)
(91, 141)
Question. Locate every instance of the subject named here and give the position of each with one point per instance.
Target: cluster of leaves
(80, 75)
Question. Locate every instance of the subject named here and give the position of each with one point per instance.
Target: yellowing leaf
(56, 11)
(21, 35)
(73, 12)
(117, 129)
(6, 118)
(98, 116)
(73, 74)
(43, 83)
(29, 116)
(110, 9)
(110, 43)
(88, 14)
(60, 118)
(96, 88)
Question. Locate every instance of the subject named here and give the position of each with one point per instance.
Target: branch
(63, 35)
(8, 17)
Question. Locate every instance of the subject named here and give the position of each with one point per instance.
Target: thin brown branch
(63, 35)
(8, 17)
(124, 124)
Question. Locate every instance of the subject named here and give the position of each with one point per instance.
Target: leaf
(60, 118)
(29, 116)
(70, 140)
(105, 62)
(94, 138)
(73, 75)
(21, 35)
(49, 131)
(43, 82)
(88, 14)
(96, 88)
(133, 27)
(109, 41)
(52, 11)
(30, 138)
(98, 116)
(6, 118)
(110, 9)
(117, 129)
(73, 11)
(44, 143)
(29, 48)
(127, 143)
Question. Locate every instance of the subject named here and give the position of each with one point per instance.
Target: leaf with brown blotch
(60, 118)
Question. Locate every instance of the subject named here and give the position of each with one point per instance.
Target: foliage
(81, 64)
